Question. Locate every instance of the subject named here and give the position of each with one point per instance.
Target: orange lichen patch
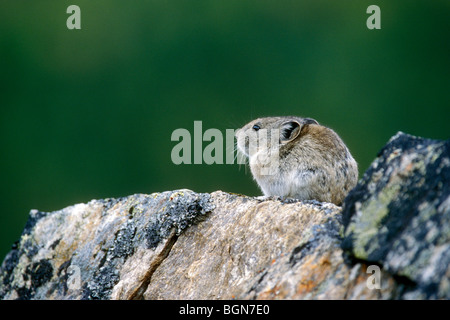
(267, 295)
(362, 276)
(315, 271)
(305, 286)
(276, 292)
(325, 260)
(409, 167)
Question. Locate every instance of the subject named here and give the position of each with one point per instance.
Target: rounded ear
(309, 121)
(289, 130)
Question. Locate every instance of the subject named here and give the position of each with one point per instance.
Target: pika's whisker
(294, 159)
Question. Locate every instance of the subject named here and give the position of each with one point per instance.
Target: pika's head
(268, 135)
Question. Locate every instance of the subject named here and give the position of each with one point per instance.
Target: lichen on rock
(399, 215)
(186, 245)
(96, 238)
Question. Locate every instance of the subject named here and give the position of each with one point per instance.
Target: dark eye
(256, 127)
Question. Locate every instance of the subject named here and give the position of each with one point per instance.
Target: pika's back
(306, 160)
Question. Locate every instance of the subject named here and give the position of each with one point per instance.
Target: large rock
(185, 245)
(398, 216)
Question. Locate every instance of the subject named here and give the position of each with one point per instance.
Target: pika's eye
(256, 127)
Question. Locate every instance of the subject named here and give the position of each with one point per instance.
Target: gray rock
(398, 216)
(80, 251)
(185, 245)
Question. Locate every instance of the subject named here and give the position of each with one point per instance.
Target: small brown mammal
(295, 157)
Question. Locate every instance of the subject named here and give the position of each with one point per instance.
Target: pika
(295, 157)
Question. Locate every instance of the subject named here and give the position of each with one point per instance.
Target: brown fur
(311, 161)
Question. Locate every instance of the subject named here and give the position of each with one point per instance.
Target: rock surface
(389, 241)
(398, 216)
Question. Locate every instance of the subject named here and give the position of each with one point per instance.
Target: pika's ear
(309, 121)
(289, 130)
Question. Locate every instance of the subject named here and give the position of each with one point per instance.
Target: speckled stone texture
(186, 245)
(82, 251)
(398, 216)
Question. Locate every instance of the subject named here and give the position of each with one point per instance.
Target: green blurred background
(89, 113)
